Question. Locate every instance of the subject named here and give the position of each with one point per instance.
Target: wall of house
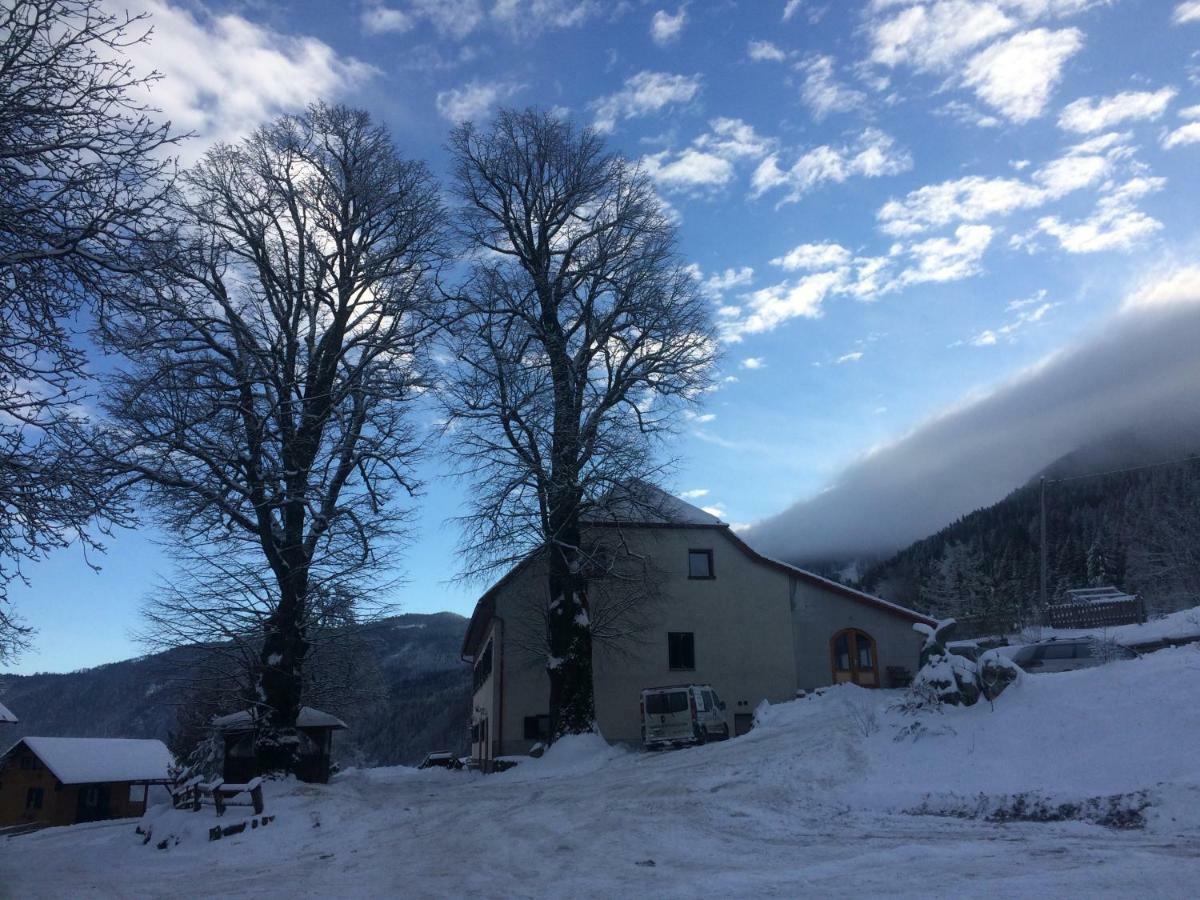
(741, 625)
(759, 634)
(818, 614)
(740, 620)
(60, 802)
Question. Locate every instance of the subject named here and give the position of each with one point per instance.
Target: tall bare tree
(83, 175)
(578, 338)
(264, 404)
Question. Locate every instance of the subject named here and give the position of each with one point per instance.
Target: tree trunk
(572, 702)
(281, 663)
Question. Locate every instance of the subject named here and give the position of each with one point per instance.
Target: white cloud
(1089, 114)
(811, 257)
(666, 28)
(853, 356)
(378, 19)
(948, 259)
(933, 37)
(1188, 11)
(1184, 134)
(1189, 112)
(224, 75)
(709, 163)
(734, 139)
(974, 198)
(644, 93)
(690, 169)
(695, 494)
(769, 307)
(790, 8)
(1029, 311)
(728, 280)
(526, 18)
(1017, 75)
(822, 92)
(872, 155)
(765, 51)
(1169, 288)
(753, 362)
(454, 18)
(1116, 223)
(474, 99)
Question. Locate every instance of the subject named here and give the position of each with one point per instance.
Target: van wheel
(701, 734)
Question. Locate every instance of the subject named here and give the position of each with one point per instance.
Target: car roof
(677, 687)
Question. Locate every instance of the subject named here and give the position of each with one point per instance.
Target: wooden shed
(63, 781)
(6, 716)
(316, 744)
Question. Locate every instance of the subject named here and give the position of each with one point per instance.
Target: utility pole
(1042, 535)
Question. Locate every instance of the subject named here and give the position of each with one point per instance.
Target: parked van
(680, 714)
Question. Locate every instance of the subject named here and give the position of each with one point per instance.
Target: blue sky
(893, 205)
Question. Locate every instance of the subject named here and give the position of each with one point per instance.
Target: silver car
(1066, 654)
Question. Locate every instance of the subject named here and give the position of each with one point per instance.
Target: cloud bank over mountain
(1139, 370)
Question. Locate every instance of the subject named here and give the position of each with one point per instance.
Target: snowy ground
(812, 802)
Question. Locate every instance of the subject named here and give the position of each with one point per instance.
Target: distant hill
(422, 702)
(1133, 529)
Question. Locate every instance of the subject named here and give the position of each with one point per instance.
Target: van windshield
(665, 704)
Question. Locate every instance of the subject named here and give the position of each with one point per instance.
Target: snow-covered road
(809, 804)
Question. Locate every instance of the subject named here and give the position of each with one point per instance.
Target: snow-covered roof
(640, 503)
(6, 716)
(1108, 594)
(308, 718)
(99, 760)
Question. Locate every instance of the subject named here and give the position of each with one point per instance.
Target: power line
(1168, 462)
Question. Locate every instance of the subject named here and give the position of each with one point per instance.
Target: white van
(680, 714)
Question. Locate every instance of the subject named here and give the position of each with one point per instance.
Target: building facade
(64, 781)
(721, 614)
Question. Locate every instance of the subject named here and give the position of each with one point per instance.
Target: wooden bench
(222, 791)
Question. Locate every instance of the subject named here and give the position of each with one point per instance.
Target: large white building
(718, 613)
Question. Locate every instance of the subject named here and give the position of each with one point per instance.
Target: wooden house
(63, 781)
(316, 744)
(6, 716)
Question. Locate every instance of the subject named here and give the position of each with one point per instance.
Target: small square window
(33, 798)
(537, 728)
(681, 650)
(700, 564)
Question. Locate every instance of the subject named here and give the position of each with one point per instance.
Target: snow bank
(573, 755)
(1180, 625)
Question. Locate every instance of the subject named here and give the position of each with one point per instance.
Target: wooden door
(854, 658)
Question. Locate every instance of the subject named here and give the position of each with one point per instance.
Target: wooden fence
(1097, 614)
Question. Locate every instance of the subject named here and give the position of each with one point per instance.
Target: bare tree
(578, 338)
(83, 176)
(264, 405)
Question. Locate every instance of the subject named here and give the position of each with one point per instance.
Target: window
(681, 650)
(483, 667)
(700, 564)
(1057, 651)
(537, 728)
(666, 703)
(33, 798)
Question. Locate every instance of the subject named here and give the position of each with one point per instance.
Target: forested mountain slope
(1115, 515)
(419, 699)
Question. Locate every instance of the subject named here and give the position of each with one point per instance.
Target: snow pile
(574, 755)
(1072, 784)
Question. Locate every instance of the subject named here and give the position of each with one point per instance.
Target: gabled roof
(638, 502)
(100, 760)
(643, 505)
(6, 717)
(308, 718)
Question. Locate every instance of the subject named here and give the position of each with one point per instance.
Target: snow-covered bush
(947, 678)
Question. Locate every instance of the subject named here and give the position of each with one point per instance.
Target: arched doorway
(854, 658)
